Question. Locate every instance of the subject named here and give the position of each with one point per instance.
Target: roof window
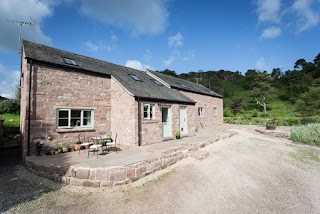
(69, 61)
(135, 77)
(182, 85)
(156, 82)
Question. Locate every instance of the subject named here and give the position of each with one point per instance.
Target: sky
(180, 35)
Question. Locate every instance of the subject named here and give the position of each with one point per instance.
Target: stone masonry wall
(54, 88)
(207, 103)
(124, 116)
(152, 129)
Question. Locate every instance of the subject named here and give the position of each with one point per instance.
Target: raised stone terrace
(127, 164)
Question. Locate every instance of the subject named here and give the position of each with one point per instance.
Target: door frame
(169, 121)
(185, 130)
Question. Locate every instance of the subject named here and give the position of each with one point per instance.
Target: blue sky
(157, 34)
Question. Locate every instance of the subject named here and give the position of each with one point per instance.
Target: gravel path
(247, 173)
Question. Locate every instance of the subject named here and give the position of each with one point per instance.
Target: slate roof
(145, 89)
(185, 85)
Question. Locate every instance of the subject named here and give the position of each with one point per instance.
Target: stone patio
(127, 165)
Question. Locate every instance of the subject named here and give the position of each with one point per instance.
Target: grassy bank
(10, 125)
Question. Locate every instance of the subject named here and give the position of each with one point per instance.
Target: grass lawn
(11, 124)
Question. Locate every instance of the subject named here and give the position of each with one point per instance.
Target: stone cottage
(64, 94)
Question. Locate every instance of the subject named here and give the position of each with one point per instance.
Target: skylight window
(135, 77)
(69, 61)
(157, 82)
(182, 85)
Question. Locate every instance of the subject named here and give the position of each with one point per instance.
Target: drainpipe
(29, 107)
(139, 122)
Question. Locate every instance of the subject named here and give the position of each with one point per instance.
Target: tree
(168, 72)
(276, 73)
(300, 63)
(262, 89)
(309, 102)
(317, 61)
(236, 105)
(249, 78)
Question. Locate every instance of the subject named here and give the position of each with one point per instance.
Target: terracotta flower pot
(77, 146)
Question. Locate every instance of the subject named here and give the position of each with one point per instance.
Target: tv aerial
(32, 25)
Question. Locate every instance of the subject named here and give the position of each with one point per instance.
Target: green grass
(11, 124)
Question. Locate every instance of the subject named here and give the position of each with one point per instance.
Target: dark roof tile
(145, 89)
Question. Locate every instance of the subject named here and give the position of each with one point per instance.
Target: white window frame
(69, 118)
(150, 109)
(215, 111)
(200, 111)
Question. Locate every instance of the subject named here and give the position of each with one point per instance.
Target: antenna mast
(31, 24)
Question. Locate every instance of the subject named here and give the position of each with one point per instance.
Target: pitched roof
(185, 85)
(146, 88)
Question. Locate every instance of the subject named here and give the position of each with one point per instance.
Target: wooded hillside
(284, 93)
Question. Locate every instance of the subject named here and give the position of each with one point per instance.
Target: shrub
(307, 120)
(308, 134)
(10, 106)
(227, 113)
(255, 113)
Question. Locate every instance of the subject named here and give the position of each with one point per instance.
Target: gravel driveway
(247, 173)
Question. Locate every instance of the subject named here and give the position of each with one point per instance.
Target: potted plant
(77, 144)
(38, 143)
(272, 124)
(178, 134)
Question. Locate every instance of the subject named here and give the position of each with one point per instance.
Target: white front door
(183, 122)
(166, 126)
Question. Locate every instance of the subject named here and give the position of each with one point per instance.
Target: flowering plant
(38, 140)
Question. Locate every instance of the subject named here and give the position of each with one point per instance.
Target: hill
(291, 90)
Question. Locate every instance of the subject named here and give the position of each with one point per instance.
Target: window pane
(151, 112)
(145, 111)
(75, 122)
(63, 122)
(63, 114)
(76, 113)
(87, 122)
(87, 114)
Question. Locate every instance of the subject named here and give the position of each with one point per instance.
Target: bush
(10, 106)
(255, 113)
(307, 120)
(308, 134)
(227, 113)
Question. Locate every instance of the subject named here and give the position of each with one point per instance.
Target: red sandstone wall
(124, 115)
(54, 88)
(208, 103)
(152, 129)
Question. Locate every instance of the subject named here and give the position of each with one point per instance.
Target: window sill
(62, 130)
(149, 121)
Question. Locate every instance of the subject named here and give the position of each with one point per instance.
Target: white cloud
(261, 64)
(10, 79)
(268, 10)
(139, 17)
(308, 17)
(300, 15)
(176, 40)
(137, 65)
(169, 61)
(179, 56)
(22, 11)
(102, 45)
(270, 33)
